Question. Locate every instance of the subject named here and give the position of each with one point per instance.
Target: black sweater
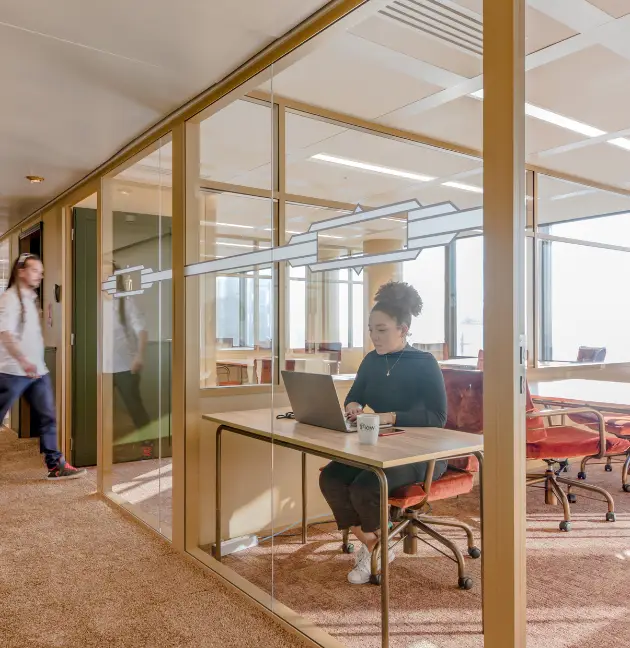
(414, 390)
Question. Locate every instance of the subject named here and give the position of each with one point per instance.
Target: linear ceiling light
(463, 187)
(213, 224)
(364, 166)
(566, 122)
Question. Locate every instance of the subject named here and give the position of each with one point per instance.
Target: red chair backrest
(464, 393)
(535, 429)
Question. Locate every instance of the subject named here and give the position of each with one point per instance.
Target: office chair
(591, 354)
(410, 519)
(547, 441)
(616, 425)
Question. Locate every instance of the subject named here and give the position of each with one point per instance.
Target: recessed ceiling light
(241, 245)
(33, 179)
(213, 224)
(375, 168)
(463, 187)
(566, 122)
(622, 142)
(124, 192)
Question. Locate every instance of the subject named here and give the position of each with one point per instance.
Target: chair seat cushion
(566, 441)
(451, 484)
(470, 463)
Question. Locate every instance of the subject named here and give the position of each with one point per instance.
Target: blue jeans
(39, 395)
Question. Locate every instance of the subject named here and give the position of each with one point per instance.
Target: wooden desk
(607, 396)
(459, 363)
(416, 444)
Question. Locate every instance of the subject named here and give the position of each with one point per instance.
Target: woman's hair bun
(400, 295)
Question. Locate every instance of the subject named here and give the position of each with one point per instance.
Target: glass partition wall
(136, 325)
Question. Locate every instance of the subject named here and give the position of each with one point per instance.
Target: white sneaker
(360, 575)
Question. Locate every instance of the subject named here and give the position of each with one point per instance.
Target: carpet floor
(578, 582)
(75, 572)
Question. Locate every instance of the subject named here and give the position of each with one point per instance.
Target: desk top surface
(589, 392)
(415, 444)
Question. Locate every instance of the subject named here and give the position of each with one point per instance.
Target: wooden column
(504, 323)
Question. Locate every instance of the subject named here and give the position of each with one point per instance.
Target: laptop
(314, 401)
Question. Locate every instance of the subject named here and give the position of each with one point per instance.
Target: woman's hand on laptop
(353, 410)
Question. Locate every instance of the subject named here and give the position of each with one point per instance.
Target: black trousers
(128, 386)
(353, 494)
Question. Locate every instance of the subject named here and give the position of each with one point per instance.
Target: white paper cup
(368, 426)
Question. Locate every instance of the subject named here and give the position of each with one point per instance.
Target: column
(504, 600)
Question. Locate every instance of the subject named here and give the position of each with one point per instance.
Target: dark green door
(85, 294)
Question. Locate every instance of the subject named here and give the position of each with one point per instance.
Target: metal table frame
(384, 493)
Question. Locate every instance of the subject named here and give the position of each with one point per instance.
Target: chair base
(409, 530)
(553, 492)
(623, 458)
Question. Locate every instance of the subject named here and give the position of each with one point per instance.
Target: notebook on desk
(314, 401)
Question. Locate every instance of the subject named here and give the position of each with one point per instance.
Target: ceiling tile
(615, 8)
(592, 86)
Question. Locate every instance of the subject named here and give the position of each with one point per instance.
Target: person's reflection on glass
(129, 342)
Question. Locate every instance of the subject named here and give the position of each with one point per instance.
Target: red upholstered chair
(547, 442)
(464, 390)
(614, 424)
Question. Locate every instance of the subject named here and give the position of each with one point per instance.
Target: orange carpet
(74, 572)
(578, 582)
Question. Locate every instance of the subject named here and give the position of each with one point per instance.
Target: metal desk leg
(479, 456)
(217, 486)
(382, 478)
(304, 500)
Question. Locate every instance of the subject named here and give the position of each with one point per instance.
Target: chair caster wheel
(611, 517)
(565, 526)
(626, 488)
(608, 468)
(348, 549)
(375, 579)
(581, 475)
(474, 552)
(465, 583)
(572, 498)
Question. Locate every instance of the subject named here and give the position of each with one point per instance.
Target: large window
(584, 259)
(469, 296)
(427, 275)
(583, 303)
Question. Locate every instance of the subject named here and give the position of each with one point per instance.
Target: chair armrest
(566, 411)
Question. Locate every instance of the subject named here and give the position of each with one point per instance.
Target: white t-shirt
(28, 336)
(120, 343)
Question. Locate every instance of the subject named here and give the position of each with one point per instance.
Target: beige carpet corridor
(75, 573)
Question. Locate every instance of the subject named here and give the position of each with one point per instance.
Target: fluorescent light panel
(213, 224)
(566, 122)
(463, 187)
(364, 166)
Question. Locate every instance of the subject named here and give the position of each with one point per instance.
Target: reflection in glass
(136, 334)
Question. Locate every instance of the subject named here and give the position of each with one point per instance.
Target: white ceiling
(81, 79)
(381, 69)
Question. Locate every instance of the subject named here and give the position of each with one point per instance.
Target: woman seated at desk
(403, 385)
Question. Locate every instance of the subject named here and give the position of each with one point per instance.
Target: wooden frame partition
(504, 167)
(504, 602)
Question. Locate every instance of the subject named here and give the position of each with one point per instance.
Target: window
(336, 306)
(427, 275)
(582, 305)
(469, 291)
